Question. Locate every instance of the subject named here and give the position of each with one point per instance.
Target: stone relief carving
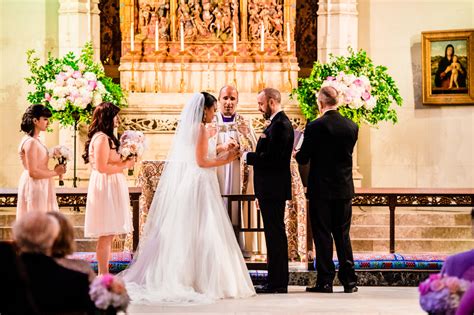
(149, 12)
(271, 14)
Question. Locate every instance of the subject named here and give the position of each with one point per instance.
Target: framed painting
(447, 67)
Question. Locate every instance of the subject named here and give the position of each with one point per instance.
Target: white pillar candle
(181, 31)
(157, 40)
(288, 37)
(132, 35)
(234, 34)
(89, 21)
(262, 37)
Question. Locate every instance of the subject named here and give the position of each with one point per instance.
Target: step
(413, 231)
(89, 245)
(413, 245)
(7, 218)
(6, 232)
(424, 218)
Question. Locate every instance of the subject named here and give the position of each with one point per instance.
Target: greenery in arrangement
(366, 91)
(71, 86)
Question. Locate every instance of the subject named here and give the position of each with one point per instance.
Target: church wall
(431, 146)
(24, 24)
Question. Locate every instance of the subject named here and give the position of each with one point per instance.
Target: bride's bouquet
(132, 145)
(61, 154)
(108, 291)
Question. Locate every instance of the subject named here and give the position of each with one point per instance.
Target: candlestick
(89, 21)
(261, 83)
(157, 39)
(132, 35)
(157, 80)
(262, 37)
(288, 37)
(234, 34)
(181, 81)
(209, 73)
(181, 31)
(234, 68)
(289, 85)
(132, 81)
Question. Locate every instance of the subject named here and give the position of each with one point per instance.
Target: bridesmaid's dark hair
(102, 120)
(32, 112)
(209, 99)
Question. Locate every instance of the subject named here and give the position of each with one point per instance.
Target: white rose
(125, 152)
(89, 76)
(96, 99)
(61, 104)
(71, 82)
(371, 102)
(49, 85)
(101, 87)
(59, 91)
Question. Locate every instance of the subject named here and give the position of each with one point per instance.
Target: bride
(188, 252)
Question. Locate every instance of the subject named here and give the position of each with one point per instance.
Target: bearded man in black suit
(272, 185)
(328, 145)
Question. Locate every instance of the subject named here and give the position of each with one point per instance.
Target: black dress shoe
(266, 289)
(320, 288)
(351, 289)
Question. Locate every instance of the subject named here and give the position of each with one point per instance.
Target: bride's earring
(204, 118)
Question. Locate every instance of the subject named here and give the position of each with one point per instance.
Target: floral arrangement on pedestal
(441, 294)
(366, 91)
(71, 86)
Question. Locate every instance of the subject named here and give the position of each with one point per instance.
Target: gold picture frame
(447, 67)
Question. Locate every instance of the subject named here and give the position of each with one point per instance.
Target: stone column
(79, 23)
(337, 30)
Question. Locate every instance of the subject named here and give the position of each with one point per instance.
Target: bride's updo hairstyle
(209, 100)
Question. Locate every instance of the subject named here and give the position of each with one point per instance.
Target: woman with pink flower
(108, 201)
(36, 187)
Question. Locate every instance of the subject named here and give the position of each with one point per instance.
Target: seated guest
(462, 266)
(53, 287)
(15, 294)
(64, 245)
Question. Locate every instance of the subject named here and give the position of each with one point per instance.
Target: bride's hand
(233, 155)
(232, 145)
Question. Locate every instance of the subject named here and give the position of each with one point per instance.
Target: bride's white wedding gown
(188, 252)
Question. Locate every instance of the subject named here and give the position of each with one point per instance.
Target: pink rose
(436, 285)
(365, 96)
(358, 82)
(76, 74)
(452, 283)
(107, 279)
(330, 78)
(71, 98)
(424, 287)
(92, 85)
(47, 97)
(435, 276)
(117, 286)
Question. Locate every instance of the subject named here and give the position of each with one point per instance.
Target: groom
(272, 184)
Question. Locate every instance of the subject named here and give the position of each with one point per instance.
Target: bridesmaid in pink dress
(36, 187)
(108, 201)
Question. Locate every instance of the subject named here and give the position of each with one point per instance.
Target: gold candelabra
(181, 81)
(157, 85)
(234, 68)
(289, 84)
(261, 83)
(132, 80)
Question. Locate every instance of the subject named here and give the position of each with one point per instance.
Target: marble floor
(369, 300)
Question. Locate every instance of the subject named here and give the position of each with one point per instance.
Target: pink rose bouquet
(109, 291)
(132, 145)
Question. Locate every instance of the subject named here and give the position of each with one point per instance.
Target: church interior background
(139, 43)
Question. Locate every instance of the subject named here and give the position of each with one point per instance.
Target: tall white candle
(181, 31)
(89, 21)
(288, 37)
(262, 37)
(157, 40)
(132, 35)
(234, 34)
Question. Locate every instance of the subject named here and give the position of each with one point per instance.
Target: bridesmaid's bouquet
(132, 145)
(108, 291)
(61, 154)
(440, 294)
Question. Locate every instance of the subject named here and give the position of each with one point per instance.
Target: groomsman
(328, 144)
(272, 184)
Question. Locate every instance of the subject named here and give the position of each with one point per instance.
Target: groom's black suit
(328, 144)
(272, 184)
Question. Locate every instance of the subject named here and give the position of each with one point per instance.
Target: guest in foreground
(108, 200)
(36, 187)
(15, 293)
(64, 245)
(272, 183)
(328, 145)
(53, 287)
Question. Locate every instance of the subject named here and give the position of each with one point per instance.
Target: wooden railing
(76, 197)
(374, 197)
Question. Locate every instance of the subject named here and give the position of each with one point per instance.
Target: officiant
(235, 177)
